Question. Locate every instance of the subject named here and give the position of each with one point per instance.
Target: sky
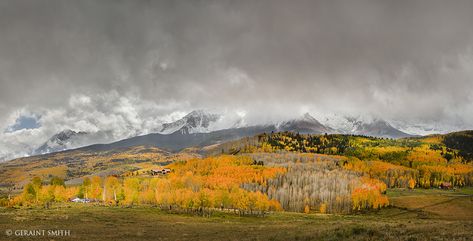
(127, 66)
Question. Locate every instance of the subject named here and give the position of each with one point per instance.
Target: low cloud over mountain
(122, 69)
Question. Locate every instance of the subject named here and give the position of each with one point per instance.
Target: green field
(416, 215)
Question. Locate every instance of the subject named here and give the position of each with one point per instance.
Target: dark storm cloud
(395, 59)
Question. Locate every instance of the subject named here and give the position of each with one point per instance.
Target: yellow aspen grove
(96, 187)
(111, 188)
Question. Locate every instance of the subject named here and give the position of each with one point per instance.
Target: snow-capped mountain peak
(61, 141)
(304, 124)
(362, 125)
(308, 117)
(197, 121)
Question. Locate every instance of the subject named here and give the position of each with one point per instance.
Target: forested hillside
(462, 141)
(315, 182)
(247, 185)
(74, 165)
(411, 162)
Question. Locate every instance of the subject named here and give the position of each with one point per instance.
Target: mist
(127, 66)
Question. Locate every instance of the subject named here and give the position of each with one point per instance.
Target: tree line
(245, 184)
(195, 186)
(317, 183)
(406, 163)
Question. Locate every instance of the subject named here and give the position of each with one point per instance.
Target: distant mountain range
(200, 128)
(177, 141)
(203, 122)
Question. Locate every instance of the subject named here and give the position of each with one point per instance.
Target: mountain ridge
(59, 142)
(200, 122)
(306, 124)
(179, 139)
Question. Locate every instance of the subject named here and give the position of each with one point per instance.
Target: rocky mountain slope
(363, 126)
(61, 141)
(306, 124)
(195, 122)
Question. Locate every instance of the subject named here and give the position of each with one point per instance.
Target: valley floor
(416, 215)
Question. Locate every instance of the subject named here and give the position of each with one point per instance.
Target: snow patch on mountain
(306, 124)
(362, 125)
(62, 141)
(426, 128)
(197, 121)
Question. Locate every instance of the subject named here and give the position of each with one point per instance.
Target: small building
(163, 171)
(445, 185)
(80, 200)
